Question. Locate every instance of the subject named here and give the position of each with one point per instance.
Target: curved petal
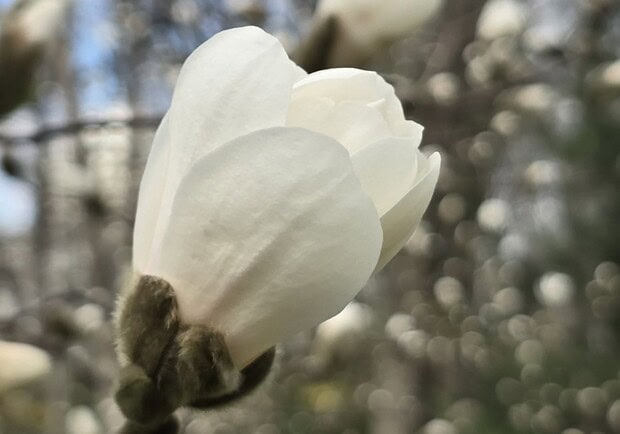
(399, 222)
(353, 125)
(412, 130)
(311, 114)
(343, 84)
(238, 81)
(150, 196)
(355, 85)
(298, 72)
(269, 235)
(386, 170)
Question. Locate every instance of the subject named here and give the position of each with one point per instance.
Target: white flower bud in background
(26, 33)
(342, 334)
(352, 31)
(82, 420)
(501, 18)
(271, 196)
(22, 364)
(555, 289)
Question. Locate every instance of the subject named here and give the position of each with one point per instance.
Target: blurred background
(501, 315)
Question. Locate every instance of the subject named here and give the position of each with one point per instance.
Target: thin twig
(46, 133)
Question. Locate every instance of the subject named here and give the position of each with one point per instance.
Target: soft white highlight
(40, 20)
(21, 364)
(501, 18)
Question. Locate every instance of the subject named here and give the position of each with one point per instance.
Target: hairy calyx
(169, 364)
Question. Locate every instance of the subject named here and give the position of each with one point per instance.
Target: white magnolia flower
(271, 196)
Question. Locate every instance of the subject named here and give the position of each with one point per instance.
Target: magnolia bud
(26, 33)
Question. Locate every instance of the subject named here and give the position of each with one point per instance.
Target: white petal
(351, 124)
(359, 86)
(343, 84)
(410, 129)
(311, 114)
(386, 169)
(238, 81)
(269, 235)
(298, 72)
(150, 196)
(400, 221)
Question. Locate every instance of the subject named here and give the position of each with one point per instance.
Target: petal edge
(399, 222)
